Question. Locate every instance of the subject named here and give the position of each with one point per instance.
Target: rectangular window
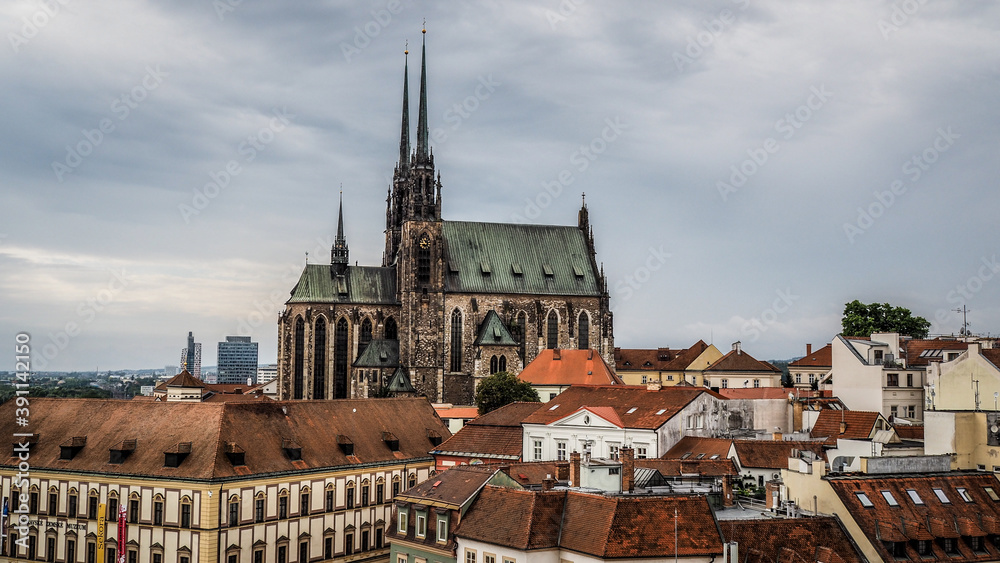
(282, 554)
(72, 510)
(283, 507)
(911, 411)
(111, 555)
(233, 558)
(348, 544)
(185, 515)
(234, 513)
(909, 380)
(865, 501)
(442, 528)
(133, 556)
(941, 496)
(92, 503)
(258, 556)
(640, 452)
(379, 538)
(887, 495)
(914, 496)
(328, 548)
(725, 384)
(992, 493)
(33, 503)
(470, 556)
(421, 530)
(614, 450)
(537, 449)
(401, 522)
(157, 558)
(71, 551)
(53, 504)
(158, 513)
(258, 510)
(329, 500)
(304, 504)
(489, 558)
(112, 510)
(365, 539)
(509, 560)
(962, 492)
(894, 410)
(892, 380)
(379, 493)
(364, 495)
(812, 378)
(561, 451)
(91, 552)
(133, 511)
(798, 378)
(304, 551)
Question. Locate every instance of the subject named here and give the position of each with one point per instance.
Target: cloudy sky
(750, 166)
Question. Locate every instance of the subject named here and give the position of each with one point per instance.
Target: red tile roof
(457, 412)
(452, 487)
(920, 352)
(932, 518)
(910, 432)
(494, 435)
(992, 355)
(859, 425)
(822, 539)
(532, 473)
(259, 429)
(600, 526)
(184, 379)
(694, 448)
(703, 467)
(772, 454)
(574, 367)
(647, 359)
(740, 361)
(652, 409)
(763, 393)
(822, 358)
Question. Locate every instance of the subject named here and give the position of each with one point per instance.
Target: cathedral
(452, 302)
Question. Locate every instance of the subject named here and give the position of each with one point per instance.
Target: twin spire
(423, 135)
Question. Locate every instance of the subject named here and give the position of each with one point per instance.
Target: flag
(122, 533)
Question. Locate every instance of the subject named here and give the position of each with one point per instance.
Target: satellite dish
(994, 428)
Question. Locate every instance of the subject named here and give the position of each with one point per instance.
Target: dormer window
(547, 270)
(120, 451)
(71, 447)
(346, 444)
(516, 269)
(292, 449)
(235, 454)
(391, 441)
(435, 437)
(176, 455)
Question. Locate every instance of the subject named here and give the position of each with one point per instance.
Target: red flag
(122, 533)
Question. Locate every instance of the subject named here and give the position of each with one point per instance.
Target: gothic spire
(338, 254)
(404, 135)
(423, 144)
(340, 219)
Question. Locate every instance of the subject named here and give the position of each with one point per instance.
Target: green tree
(501, 389)
(862, 320)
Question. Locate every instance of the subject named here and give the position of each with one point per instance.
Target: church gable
(492, 332)
(513, 259)
(359, 284)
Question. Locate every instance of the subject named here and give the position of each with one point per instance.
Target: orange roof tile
(920, 352)
(858, 425)
(772, 454)
(184, 379)
(693, 447)
(822, 358)
(793, 539)
(454, 486)
(740, 361)
(677, 467)
(457, 412)
(649, 409)
(496, 434)
(574, 367)
(655, 359)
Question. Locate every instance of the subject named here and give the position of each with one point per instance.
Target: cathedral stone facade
(452, 302)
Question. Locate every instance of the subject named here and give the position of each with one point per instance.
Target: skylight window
(962, 492)
(631, 410)
(865, 501)
(714, 456)
(914, 496)
(553, 407)
(992, 493)
(685, 456)
(887, 495)
(941, 496)
(661, 411)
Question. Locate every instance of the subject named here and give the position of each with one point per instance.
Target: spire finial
(423, 149)
(404, 133)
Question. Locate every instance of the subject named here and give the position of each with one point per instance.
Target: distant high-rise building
(171, 371)
(191, 357)
(267, 373)
(237, 360)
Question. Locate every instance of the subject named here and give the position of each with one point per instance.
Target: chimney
(727, 490)
(574, 469)
(778, 436)
(628, 470)
(556, 355)
(737, 347)
(548, 482)
(562, 471)
(843, 427)
(809, 349)
(975, 349)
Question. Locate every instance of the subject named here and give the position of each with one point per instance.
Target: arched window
(319, 360)
(350, 494)
(552, 330)
(366, 335)
(340, 360)
(503, 363)
(583, 339)
(456, 340)
(411, 481)
(300, 337)
(424, 259)
(391, 333)
(518, 332)
(234, 510)
(365, 492)
(494, 365)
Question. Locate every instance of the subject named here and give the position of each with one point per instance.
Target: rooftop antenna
(307, 258)
(965, 320)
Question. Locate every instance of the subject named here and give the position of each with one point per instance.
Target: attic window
(992, 493)
(23, 442)
(391, 441)
(516, 268)
(71, 447)
(345, 443)
(292, 449)
(553, 407)
(175, 455)
(235, 454)
(915, 497)
(962, 492)
(685, 456)
(865, 501)
(887, 495)
(547, 270)
(714, 456)
(341, 285)
(452, 267)
(577, 271)
(631, 410)
(661, 411)
(434, 436)
(941, 496)
(484, 267)
(700, 456)
(120, 451)
(628, 363)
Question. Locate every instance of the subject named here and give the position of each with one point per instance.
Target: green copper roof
(511, 258)
(400, 382)
(360, 284)
(379, 353)
(493, 332)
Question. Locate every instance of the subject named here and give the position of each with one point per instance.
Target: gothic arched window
(391, 332)
(300, 336)
(340, 360)
(319, 360)
(456, 340)
(366, 334)
(424, 259)
(583, 339)
(494, 365)
(552, 341)
(519, 327)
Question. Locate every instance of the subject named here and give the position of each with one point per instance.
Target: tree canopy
(501, 389)
(862, 320)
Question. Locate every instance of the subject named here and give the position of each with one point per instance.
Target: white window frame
(561, 450)
(402, 520)
(442, 528)
(536, 449)
(470, 555)
(420, 530)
